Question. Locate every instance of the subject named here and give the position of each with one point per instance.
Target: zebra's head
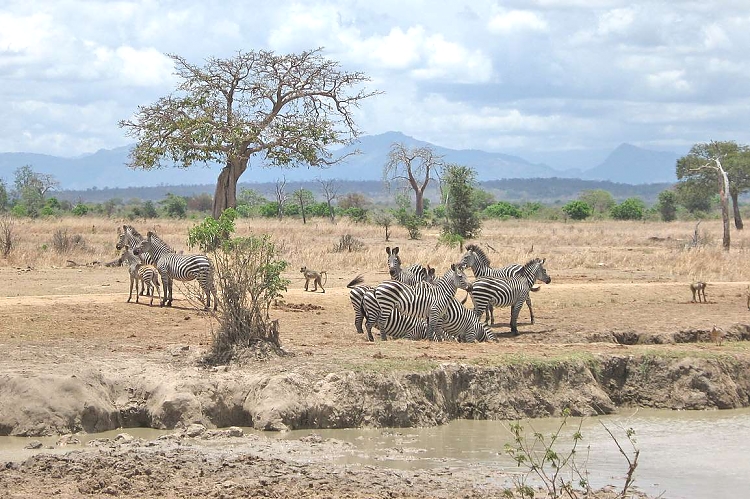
(394, 261)
(127, 236)
(459, 276)
(535, 268)
(143, 247)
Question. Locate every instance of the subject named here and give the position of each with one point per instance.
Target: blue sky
(541, 79)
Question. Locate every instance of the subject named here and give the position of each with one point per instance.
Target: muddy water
(688, 454)
(684, 455)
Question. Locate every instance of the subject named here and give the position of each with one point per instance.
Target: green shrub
(502, 210)
(630, 209)
(80, 210)
(577, 210)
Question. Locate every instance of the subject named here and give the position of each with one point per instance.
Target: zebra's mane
(131, 229)
(481, 255)
(169, 249)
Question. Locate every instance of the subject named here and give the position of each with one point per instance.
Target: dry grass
(632, 250)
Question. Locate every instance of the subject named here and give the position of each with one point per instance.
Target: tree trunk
(723, 188)
(419, 203)
(736, 206)
(225, 195)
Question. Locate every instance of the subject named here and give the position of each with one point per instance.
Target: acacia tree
(707, 158)
(415, 166)
(281, 197)
(305, 198)
(284, 109)
(735, 161)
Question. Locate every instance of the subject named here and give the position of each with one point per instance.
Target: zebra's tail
(354, 282)
(468, 293)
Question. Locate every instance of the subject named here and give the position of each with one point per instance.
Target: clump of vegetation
(348, 243)
(7, 235)
(248, 278)
(560, 472)
(577, 210)
(62, 243)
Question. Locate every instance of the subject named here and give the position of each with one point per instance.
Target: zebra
(463, 325)
(512, 291)
(145, 273)
(479, 262)
(427, 300)
(357, 292)
(396, 325)
(128, 236)
(173, 265)
(411, 275)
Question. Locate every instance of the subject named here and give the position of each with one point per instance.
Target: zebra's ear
(395, 250)
(149, 234)
(119, 231)
(388, 250)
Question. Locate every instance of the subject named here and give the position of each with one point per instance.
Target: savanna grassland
(615, 328)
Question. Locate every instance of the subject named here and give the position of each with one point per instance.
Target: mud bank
(267, 397)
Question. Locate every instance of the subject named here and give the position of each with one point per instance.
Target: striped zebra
(479, 262)
(128, 236)
(508, 292)
(145, 274)
(181, 267)
(425, 301)
(463, 325)
(357, 292)
(410, 275)
(396, 325)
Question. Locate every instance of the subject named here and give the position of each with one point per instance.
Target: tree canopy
(286, 109)
(414, 166)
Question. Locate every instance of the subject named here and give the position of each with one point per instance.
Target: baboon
(717, 335)
(700, 288)
(313, 275)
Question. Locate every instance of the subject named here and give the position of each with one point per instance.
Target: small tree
(7, 235)
(630, 209)
(385, 220)
(667, 205)
(304, 198)
(463, 219)
(31, 188)
(330, 191)
(3, 196)
(174, 206)
(599, 200)
(281, 197)
(577, 210)
(502, 210)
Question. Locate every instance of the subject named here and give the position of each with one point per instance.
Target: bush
(80, 210)
(577, 210)
(356, 214)
(502, 210)
(249, 278)
(211, 233)
(667, 205)
(7, 235)
(348, 243)
(630, 209)
(175, 206)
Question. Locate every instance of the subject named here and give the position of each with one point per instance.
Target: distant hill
(106, 168)
(633, 165)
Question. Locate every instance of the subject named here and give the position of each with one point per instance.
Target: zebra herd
(414, 304)
(149, 255)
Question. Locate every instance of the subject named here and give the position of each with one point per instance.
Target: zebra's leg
(157, 286)
(130, 295)
(138, 282)
(165, 285)
(531, 310)
(515, 310)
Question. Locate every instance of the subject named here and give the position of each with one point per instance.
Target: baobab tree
(284, 110)
(416, 167)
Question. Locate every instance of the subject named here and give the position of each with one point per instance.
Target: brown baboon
(315, 276)
(717, 335)
(700, 288)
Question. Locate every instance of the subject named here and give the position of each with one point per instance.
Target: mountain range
(627, 164)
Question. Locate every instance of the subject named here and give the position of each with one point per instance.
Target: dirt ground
(62, 322)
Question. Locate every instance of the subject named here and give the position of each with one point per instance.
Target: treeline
(543, 190)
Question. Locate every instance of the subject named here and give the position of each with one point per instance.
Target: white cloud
(516, 20)
(669, 81)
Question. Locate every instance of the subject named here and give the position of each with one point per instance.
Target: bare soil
(76, 357)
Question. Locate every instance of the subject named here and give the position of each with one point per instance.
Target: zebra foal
(510, 292)
(410, 275)
(181, 267)
(145, 274)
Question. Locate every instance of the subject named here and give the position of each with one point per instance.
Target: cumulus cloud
(516, 20)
